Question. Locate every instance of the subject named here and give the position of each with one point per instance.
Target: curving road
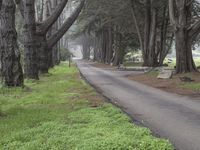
(171, 116)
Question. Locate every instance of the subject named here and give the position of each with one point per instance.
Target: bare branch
(65, 27)
(45, 25)
(172, 13)
(194, 30)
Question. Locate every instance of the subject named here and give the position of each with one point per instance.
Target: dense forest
(31, 33)
(150, 26)
(41, 26)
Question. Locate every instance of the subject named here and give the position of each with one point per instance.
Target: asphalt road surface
(170, 116)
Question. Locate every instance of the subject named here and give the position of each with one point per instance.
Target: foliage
(65, 54)
(56, 113)
(192, 86)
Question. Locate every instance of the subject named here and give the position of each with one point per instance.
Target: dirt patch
(174, 85)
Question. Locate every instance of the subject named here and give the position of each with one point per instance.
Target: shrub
(65, 54)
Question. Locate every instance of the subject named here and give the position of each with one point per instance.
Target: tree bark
(48, 44)
(55, 48)
(118, 54)
(184, 58)
(183, 34)
(110, 43)
(149, 55)
(163, 50)
(35, 37)
(30, 45)
(65, 27)
(48, 11)
(10, 56)
(0, 4)
(137, 25)
(44, 26)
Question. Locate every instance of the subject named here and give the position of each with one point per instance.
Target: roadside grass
(132, 64)
(152, 73)
(174, 85)
(192, 86)
(62, 112)
(195, 86)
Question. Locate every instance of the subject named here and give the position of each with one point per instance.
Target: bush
(65, 54)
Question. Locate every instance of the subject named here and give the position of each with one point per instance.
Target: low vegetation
(183, 84)
(62, 112)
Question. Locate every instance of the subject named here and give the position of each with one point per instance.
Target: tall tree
(30, 44)
(42, 29)
(10, 56)
(186, 29)
(36, 46)
(66, 25)
(152, 43)
(0, 4)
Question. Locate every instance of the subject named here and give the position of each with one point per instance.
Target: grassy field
(62, 112)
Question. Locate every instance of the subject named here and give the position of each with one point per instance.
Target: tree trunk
(43, 53)
(149, 55)
(0, 4)
(110, 44)
(137, 25)
(86, 47)
(183, 35)
(163, 50)
(54, 29)
(118, 54)
(35, 37)
(48, 44)
(10, 56)
(30, 47)
(103, 38)
(48, 11)
(65, 27)
(184, 58)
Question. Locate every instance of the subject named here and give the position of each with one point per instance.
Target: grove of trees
(31, 33)
(110, 27)
(44, 24)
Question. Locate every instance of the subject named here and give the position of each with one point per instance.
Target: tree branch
(21, 6)
(194, 30)
(172, 13)
(136, 25)
(65, 27)
(189, 3)
(44, 26)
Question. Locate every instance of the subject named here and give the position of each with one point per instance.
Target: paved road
(171, 116)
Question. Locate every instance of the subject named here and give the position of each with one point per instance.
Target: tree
(153, 30)
(30, 44)
(35, 45)
(38, 33)
(186, 29)
(10, 56)
(108, 25)
(0, 4)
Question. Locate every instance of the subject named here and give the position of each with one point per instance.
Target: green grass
(192, 86)
(152, 73)
(58, 113)
(132, 64)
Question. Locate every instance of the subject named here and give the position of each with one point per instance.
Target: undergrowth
(62, 112)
